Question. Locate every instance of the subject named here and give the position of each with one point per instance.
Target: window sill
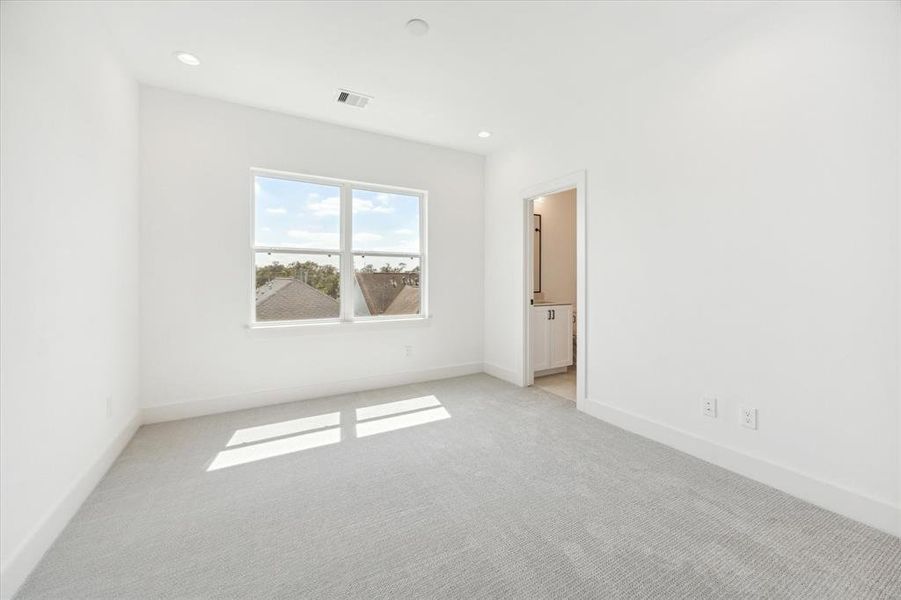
(331, 327)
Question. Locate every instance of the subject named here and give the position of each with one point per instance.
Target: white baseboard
(853, 505)
(24, 558)
(501, 373)
(221, 404)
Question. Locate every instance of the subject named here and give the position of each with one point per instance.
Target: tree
(324, 278)
(400, 268)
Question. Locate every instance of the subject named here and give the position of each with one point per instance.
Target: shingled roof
(390, 293)
(289, 299)
(406, 302)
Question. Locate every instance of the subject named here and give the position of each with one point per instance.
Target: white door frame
(575, 180)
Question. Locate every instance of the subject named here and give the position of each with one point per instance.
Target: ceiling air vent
(353, 98)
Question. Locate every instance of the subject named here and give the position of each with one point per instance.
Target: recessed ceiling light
(484, 134)
(187, 58)
(417, 27)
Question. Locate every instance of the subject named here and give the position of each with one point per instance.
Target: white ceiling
(500, 66)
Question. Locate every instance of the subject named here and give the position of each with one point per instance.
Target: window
(327, 250)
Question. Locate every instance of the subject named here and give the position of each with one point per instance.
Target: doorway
(554, 295)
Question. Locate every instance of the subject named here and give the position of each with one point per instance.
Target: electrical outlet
(708, 407)
(749, 417)
(408, 350)
(109, 407)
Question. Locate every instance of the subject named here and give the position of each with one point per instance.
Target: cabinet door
(538, 338)
(560, 336)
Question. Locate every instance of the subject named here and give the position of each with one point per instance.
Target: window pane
(385, 222)
(386, 286)
(295, 214)
(291, 287)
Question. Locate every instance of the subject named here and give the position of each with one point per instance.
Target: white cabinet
(560, 336)
(551, 336)
(538, 338)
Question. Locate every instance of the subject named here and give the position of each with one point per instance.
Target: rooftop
(290, 299)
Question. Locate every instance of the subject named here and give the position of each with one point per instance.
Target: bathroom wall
(558, 247)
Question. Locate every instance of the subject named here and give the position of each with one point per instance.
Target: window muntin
(333, 250)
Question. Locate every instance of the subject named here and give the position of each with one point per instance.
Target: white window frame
(345, 249)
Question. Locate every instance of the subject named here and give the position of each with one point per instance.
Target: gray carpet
(498, 492)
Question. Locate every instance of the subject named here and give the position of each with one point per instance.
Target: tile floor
(559, 384)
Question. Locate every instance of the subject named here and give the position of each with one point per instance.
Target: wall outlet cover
(749, 417)
(708, 407)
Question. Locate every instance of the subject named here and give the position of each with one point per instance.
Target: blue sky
(306, 215)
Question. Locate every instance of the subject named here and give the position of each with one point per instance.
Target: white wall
(742, 242)
(197, 353)
(558, 246)
(68, 270)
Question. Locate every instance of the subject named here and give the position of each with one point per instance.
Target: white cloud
(266, 229)
(403, 231)
(330, 207)
(314, 239)
(364, 236)
(406, 246)
(363, 205)
(279, 210)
